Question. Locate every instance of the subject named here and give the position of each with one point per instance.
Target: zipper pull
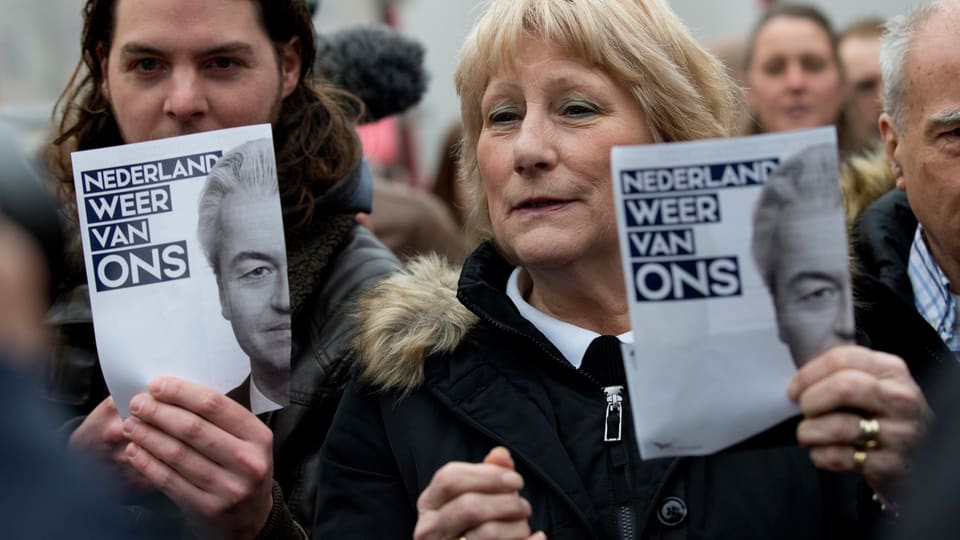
(614, 417)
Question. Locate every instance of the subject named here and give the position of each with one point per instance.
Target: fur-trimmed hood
(406, 318)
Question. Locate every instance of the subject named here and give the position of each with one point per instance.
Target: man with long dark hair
(158, 69)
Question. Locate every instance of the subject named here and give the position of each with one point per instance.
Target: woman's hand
(475, 500)
(840, 393)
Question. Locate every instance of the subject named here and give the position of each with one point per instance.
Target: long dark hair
(313, 134)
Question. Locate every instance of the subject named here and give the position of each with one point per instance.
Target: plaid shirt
(931, 292)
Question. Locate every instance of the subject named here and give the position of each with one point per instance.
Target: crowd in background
(450, 396)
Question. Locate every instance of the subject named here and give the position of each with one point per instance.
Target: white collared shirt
(258, 401)
(931, 292)
(571, 340)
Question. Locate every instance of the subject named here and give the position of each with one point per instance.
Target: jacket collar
(481, 289)
(882, 240)
(476, 390)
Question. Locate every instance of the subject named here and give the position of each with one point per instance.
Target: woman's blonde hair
(685, 91)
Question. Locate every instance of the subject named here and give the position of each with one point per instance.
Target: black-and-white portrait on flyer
(799, 246)
(183, 242)
(241, 232)
(735, 262)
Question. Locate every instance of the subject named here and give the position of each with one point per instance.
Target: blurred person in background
(859, 47)
(450, 187)
(47, 493)
(412, 221)
(23, 333)
(793, 74)
(158, 69)
(384, 68)
(446, 178)
(731, 51)
(30, 265)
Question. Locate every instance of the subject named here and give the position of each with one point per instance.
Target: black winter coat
(493, 379)
(887, 319)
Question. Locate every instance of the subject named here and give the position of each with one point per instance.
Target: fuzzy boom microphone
(377, 64)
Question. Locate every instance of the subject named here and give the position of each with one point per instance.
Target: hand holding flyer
(735, 259)
(184, 252)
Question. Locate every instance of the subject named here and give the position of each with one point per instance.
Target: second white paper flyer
(735, 260)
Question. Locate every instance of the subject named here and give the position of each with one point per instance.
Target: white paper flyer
(186, 264)
(735, 259)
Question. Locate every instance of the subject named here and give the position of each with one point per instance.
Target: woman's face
(794, 80)
(544, 156)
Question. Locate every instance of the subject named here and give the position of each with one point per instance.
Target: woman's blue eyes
(574, 110)
(500, 117)
(578, 109)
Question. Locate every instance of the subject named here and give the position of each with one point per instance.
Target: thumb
(500, 456)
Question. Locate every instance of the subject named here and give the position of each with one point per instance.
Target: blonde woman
(493, 402)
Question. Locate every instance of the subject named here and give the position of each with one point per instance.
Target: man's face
(861, 61)
(928, 148)
(183, 66)
(252, 265)
(812, 288)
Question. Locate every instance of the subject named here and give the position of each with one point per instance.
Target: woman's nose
(534, 148)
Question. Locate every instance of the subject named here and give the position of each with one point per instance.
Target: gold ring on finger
(859, 460)
(869, 433)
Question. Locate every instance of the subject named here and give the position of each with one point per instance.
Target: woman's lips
(534, 206)
(797, 111)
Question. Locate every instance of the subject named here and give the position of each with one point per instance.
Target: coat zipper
(613, 427)
(613, 404)
(612, 438)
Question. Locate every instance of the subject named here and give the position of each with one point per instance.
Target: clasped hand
(475, 501)
(840, 393)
